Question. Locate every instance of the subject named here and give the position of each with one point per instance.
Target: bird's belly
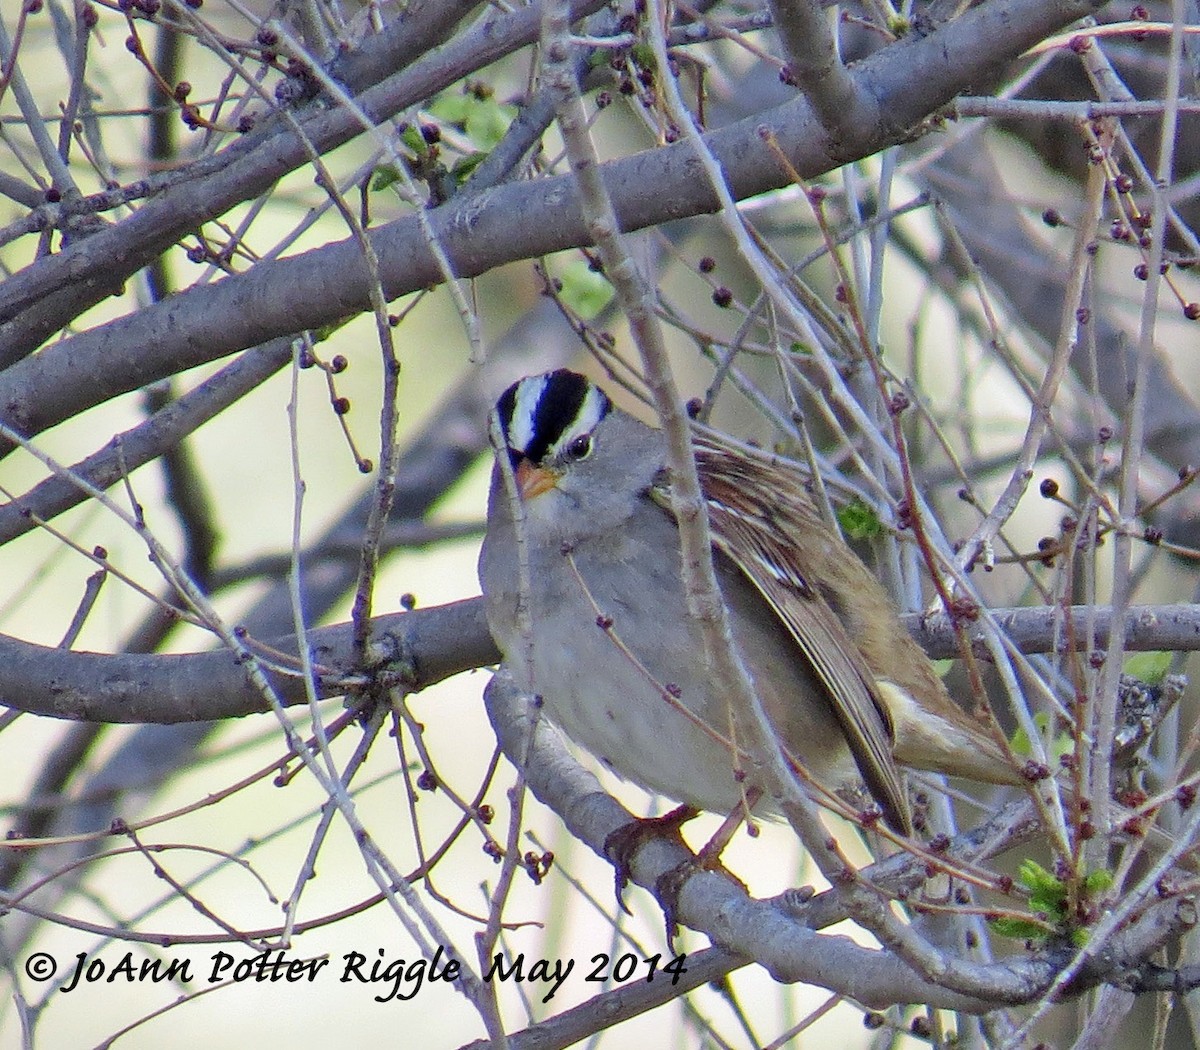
(652, 715)
(621, 669)
(658, 730)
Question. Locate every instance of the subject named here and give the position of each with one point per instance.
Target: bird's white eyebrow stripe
(529, 393)
(593, 409)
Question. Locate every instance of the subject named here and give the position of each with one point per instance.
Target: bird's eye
(580, 447)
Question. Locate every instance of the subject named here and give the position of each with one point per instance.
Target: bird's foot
(621, 846)
(669, 885)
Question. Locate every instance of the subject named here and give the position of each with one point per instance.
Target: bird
(581, 574)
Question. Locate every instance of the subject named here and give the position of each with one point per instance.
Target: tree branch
(844, 109)
(908, 80)
(420, 648)
(1148, 628)
(413, 649)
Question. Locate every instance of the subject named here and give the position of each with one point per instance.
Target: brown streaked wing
(758, 532)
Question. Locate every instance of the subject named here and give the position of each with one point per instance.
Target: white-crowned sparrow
(620, 665)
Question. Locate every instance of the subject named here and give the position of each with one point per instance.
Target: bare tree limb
(1148, 628)
(844, 109)
(421, 27)
(909, 80)
(417, 649)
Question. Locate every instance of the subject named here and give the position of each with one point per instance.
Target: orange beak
(533, 481)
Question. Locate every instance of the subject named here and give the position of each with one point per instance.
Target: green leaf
(385, 175)
(859, 521)
(483, 119)
(1150, 668)
(583, 290)
(941, 668)
(453, 107)
(488, 123)
(643, 56)
(1034, 877)
(462, 170)
(411, 137)
(1048, 897)
(1021, 929)
(1060, 743)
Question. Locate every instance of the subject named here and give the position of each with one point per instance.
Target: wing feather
(768, 536)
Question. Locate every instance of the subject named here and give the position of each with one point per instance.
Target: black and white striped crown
(542, 415)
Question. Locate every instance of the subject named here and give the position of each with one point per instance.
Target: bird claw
(622, 845)
(669, 885)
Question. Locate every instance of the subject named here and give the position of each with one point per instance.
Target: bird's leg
(622, 845)
(669, 885)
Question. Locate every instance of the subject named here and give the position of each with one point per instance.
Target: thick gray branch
(814, 65)
(1166, 628)
(908, 80)
(418, 29)
(415, 649)
(421, 647)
